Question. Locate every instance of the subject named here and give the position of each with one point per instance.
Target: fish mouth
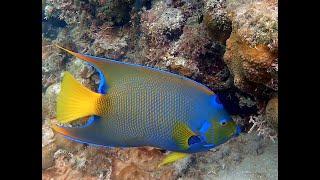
(238, 131)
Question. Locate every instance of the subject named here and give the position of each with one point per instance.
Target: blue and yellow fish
(142, 106)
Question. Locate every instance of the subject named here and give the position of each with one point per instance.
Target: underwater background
(231, 46)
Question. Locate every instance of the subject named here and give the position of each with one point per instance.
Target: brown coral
(47, 155)
(52, 63)
(49, 101)
(272, 111)
(90, 162)
(249, 64)
(139, 163)
(66, 10)
(63, 170)
(216, 20)
(67, 144)
(107, 42)
(193, 43)
(160, 26)
(132, 172)
(251, 52)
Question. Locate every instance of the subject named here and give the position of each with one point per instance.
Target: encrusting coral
(251, 53)
(272, 112)
(63, 9)
(216, 19)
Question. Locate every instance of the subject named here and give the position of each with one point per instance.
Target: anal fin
(91, 133)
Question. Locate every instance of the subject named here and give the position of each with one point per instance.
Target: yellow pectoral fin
(172, 157)
(181, 135)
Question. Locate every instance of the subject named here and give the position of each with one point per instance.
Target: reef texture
(272, 111)
(229, 46)
(216, 20)
(251, 52)
(247, 157)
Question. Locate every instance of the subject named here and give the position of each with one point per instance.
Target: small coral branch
(262, 127)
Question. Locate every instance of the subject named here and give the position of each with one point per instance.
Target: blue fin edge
(102, 88)
(83, 142)
(103, 83)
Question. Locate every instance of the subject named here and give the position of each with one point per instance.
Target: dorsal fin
(80, 56)
(115, 71)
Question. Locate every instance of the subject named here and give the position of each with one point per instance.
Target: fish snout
(238, 131)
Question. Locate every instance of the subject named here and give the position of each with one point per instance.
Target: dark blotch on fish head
(193, 140)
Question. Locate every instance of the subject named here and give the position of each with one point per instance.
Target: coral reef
(138, 163)
(52, 63)
(47, 155)
(216, 19)
(251, 52)
(49, 101)
(75, 166)
(263, 127)
(241, 158)
(272, 111)
(48, 148)
(63, 9)
(159, 26)
(115, 12)
(91, 162)
(108, 43)
(257, 23)
(182, 44)
(229, 46)
(251, 66)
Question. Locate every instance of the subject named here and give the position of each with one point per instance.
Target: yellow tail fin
(75, 101)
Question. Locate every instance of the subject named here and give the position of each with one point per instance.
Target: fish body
(141, 106)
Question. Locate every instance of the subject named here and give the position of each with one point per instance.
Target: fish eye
(223, 122)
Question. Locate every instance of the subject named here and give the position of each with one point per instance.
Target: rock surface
(251, 52)
(272, 111)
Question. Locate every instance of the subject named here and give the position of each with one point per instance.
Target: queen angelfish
(142, 106)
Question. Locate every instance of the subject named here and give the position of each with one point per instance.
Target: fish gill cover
(229, 46)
